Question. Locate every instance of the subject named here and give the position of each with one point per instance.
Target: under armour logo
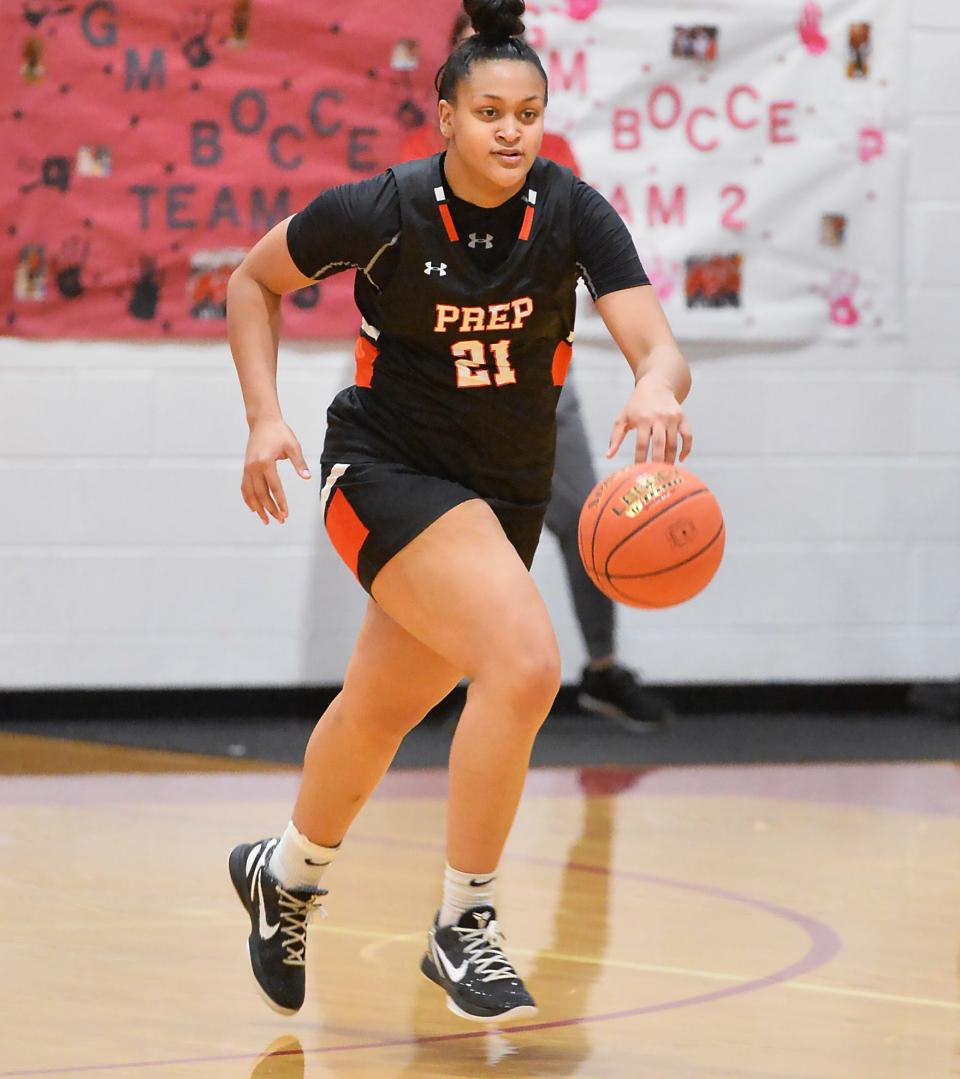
(430, 268)
(475, 240)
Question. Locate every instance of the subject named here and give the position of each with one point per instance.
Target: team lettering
(496, 316)
(647, 489)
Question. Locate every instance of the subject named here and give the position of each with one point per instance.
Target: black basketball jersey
(458, 368)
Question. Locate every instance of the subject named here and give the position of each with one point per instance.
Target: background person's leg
(606, 686)
(573, 479)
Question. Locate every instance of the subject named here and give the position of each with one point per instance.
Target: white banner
(755, 148)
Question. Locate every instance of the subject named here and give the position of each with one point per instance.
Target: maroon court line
(825, 944)
(928, 787)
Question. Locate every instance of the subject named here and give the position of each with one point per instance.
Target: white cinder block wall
(128, 559)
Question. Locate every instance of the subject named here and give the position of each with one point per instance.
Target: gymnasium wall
(128, 559)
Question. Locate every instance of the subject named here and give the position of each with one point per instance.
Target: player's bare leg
(392, 681)
(349, 750)
(461, 589)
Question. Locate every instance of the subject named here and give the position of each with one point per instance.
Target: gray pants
(573, 479)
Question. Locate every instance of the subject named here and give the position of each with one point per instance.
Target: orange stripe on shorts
(345, 529)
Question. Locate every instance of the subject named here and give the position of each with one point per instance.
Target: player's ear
(445, 117)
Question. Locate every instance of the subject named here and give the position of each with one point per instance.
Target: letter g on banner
(105, 33)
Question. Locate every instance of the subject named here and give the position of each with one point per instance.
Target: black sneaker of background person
(616, 692)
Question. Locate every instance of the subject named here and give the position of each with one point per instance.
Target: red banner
(146, 147)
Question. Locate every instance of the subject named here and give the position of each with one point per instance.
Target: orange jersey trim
(448, 222)
(365, 354)
(527, 223)
(562, 356)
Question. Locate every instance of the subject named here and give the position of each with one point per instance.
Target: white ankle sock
(461, 891)
(296, 862)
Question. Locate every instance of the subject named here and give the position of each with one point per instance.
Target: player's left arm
(611, 269)
(662, 380)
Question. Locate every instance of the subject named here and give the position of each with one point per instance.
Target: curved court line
(825, 943)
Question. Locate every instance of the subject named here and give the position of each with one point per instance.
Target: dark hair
(499, 36)
(460, 23)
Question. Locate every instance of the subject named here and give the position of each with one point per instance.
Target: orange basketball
(651, 535)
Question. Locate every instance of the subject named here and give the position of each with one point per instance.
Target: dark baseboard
(834, 698)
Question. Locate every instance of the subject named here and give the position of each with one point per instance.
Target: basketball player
(606, 688)
(435, 477)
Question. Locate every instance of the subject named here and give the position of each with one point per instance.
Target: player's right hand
(270, 441)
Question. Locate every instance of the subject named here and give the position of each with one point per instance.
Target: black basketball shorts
(373, 509)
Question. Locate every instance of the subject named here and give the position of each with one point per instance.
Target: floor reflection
(580, 927)
(282, 1059)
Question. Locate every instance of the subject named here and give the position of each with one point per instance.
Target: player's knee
(530, 678)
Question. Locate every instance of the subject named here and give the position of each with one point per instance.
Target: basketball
(651, 535)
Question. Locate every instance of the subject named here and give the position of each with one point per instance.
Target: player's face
(495, 124)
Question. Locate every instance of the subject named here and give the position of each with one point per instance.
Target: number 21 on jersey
(473, 368)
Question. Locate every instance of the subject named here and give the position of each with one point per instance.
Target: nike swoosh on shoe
(455, 974)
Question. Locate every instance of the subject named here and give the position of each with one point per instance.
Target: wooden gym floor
(723, 922)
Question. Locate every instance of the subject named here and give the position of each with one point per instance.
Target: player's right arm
(342, 227)
(253, 328)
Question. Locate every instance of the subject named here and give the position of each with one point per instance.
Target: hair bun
(496, 19)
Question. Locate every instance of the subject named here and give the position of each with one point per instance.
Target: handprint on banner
(581, 9)
(664, 278)
(811, 35)
(54, 172)
(35, 11)
(70, 263)
(410, 115)
(146, 290)
(195, 29)
(872, 144)
(839, 295)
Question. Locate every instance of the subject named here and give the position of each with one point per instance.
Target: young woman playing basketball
(435, 476)
(607, 687)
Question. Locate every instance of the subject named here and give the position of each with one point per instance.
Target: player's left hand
(659, 420)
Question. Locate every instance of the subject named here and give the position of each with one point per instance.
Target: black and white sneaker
(617, 693)
(277, 944)
(467, 961)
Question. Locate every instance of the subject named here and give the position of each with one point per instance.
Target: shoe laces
(483, 948)
(295, 914)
